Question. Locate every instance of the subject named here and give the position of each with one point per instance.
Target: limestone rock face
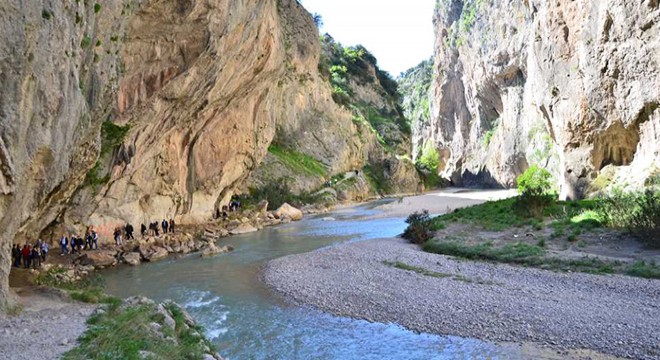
(145, 110)
(287, 211)
(573, 86)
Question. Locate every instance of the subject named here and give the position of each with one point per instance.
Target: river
(248, 321)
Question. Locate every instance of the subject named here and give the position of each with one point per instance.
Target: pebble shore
(615, 315)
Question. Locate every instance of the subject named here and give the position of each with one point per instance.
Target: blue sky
(398, 33)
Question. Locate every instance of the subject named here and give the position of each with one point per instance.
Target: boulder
(210, 250)
(131, 258)
(98, 258)
(262, 207)
(213, 250)
(243, 229)
(288, 211)
(158, 253)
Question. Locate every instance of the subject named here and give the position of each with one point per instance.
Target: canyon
(571, 86)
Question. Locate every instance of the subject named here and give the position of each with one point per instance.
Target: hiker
(26, 255)
(81, 243)
(44, 251)
(74, 244)
(95, 240)
(129, 232)
(35, 257)
(164, 224)
(88, 240)
(143, 230)
(155, 224)
(64, 242)
(117, 235)
(16, 255)
(172, 225)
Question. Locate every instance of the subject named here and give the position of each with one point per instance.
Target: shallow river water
(248, 321)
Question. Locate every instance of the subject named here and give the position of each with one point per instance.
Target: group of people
(29, 255)
(166, 226)
(78, 243)
(234, 205)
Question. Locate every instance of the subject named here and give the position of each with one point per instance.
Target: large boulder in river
(287, 211)
(98, 258)
(213, 250)
(159, 254)
(131, 258)
(154, 254)
(243, 229)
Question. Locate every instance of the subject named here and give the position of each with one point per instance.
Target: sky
(398, 33)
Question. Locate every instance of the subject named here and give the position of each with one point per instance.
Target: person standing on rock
(35, 257)
(64, 242)
(117, 235)
(88, 240)
(74, 244)
(26, 252)
(95, 240)
(143, 230)
(44, 251)
(156, 232)
(171, 225)
(16, 255)
(129, 232)
(164, 224)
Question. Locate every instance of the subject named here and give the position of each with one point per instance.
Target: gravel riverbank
(46, 328)
(614, 315)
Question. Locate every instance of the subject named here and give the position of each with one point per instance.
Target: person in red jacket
(26, 255)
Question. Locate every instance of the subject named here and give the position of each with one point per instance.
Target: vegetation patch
(637, 212)
(533, 210)
(419, 270)
(418, 230)
(85, 42)
(89, 290)
(298, 162)
(435, 274)
(375, 175)
(131, 332)
(112, 135)
(643, 269)
(278, 193)
(522, 254)
(428, 164)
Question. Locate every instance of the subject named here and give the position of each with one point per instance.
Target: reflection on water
(246, 321)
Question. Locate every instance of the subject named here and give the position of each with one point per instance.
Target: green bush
(430, 159)
(85, 41)
(534, 186)
(535, 181)
(638, 212)
(419, 226)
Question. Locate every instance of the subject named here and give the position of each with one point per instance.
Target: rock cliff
(573, 86)
(134, 110)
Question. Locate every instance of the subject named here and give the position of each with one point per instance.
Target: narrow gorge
(571, 86)
(500, 199)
